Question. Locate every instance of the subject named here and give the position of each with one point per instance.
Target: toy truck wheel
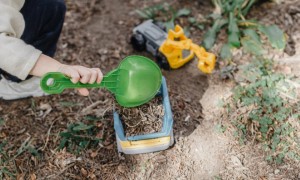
(138, 42)
(162, 61)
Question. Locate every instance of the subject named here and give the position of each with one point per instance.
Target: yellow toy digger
(172, 49)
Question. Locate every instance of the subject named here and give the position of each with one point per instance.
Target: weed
(230, 15)
(2, 122)
(80, 136)
(167, 12)
(220, 128)
(7, 166)
(264, 113)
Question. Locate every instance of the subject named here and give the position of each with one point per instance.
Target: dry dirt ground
(96, 33)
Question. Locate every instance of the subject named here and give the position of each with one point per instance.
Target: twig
(62, 171)
(48, 134)
(92, 106)
(90, 99)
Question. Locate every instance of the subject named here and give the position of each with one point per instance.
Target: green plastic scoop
(135, 82)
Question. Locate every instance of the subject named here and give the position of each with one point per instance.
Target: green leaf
(169, 24)
(150, 12)
(269, 158)
(233, 31)
(200, 26)
(84, 144)
(144, 14)
(275, 36)
(82, 127)
(252, 34)
(2, 122)
(211, 34)
(251, 46)
(266, 121)
(279, 158)
(233, 40)
(33, 151)
(214, 16)
(209, 39)
(63, 143)
(264, 129)
(226, 52)
(192, 20)
(65, 134)
(92, 118)
(186, 31)
(182, 12)
(248, 7)
(5, 171)
(232, 26)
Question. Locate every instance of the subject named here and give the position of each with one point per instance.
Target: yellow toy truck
(173, 49)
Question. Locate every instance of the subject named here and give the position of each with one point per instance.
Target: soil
(145, 119)
(96, 33)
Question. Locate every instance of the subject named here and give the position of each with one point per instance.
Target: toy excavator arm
(173, 48)
(206, 60)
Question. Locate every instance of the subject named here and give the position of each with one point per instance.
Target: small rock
(276, 171)
(102, 51)
(45, 106)
(236, 161)
(284, 69)
(103, 58)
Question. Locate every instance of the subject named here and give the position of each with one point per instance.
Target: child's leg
(43, 24)
(44, 21)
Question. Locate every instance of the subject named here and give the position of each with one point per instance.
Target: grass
(264, 110)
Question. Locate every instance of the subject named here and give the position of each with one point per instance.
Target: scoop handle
(56, 82)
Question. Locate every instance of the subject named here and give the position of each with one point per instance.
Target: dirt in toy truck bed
(144, 119)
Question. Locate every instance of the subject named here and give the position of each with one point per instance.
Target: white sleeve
(16, 57)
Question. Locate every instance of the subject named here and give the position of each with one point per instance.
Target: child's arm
(47, 64)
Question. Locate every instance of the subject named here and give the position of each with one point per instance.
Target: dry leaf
(20, 176)
(32, 176)
(93, 154)
(84, 172)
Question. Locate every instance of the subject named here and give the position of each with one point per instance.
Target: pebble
(276, 171)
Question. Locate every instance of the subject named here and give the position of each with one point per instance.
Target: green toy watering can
(135, 82)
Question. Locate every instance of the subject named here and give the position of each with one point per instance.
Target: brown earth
(96, 34)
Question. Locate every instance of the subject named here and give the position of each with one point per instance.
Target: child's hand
(82, 74)
(77, 73)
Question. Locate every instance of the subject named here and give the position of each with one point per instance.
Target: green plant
(80, 136)
(231, 15)
(2, 122)
(7, 165)
(167, 11)
(264, 113)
